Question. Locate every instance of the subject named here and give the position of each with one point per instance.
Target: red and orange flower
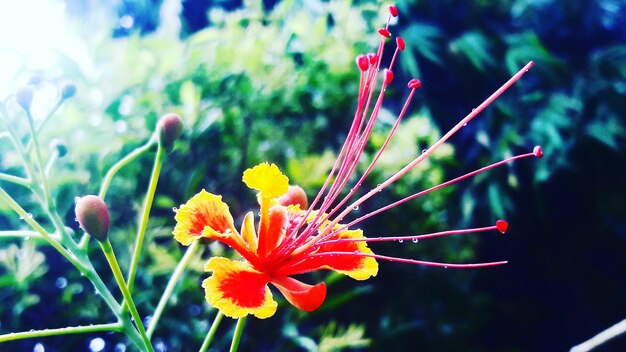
(293, 239)
(239, 288)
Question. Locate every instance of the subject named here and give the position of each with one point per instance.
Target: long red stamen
(409, 261)
(416, 238)
(436, 145)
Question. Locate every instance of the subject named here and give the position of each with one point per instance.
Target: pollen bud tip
(393, 10)
(502, 226)
(24, 96)
(538, 151)
(400, 43)
(388, 76)
(414, 83)
(362, 62)
(373, 58)
(384, 32)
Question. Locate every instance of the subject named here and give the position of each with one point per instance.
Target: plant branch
(169, 289)
(237, 335)
(117, 327)
(209, 336)
(601, 338)
(119, 278)
(143, 222)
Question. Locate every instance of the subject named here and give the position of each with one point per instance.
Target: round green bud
(68, 89)
(59, 146)
(169, 128)
(93, 216)
(24, 96)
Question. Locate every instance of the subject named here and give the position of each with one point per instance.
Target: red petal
(302, 296)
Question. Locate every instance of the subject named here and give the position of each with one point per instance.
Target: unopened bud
(169, 128)
(93, 216)
(295, 196)
(59, 146)
(24, 96)
(68, 90)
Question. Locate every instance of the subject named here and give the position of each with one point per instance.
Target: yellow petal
(267, 179)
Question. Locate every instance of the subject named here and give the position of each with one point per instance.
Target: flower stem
(106, 182)
(143, 223)
(209, 336)
(15, 179)
(169, 289)
(119, 278)
(237, 335)
(117, 327)
(602, 337)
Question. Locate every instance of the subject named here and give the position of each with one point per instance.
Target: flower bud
(24, 96)
(295, 196)
(68, 89)
(59, 146)
(169, 128)
(93, 216)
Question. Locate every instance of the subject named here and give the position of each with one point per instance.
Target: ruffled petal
(354, 265)
(267, 179)
(237, 289)
(303, 296)
(204, 210)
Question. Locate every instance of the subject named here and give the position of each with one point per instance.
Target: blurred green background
(276, 81)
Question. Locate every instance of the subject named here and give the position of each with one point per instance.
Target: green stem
(119, 278)
(38, 158)
(237, 335)
(15, 179)
(84, 266)
(45, 119)
(117, 327)
(106, 182)
(209, 336)
(53, 158)
(169, 289)
(121, 163)
(143, 222)
(21, 233)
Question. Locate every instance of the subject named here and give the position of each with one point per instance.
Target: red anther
(373, 58)
(393, 10)
(384, 32)
(414, 83)
(502, 225)
(362, 62)
(400, 43)
(388, 76)
(538, 151)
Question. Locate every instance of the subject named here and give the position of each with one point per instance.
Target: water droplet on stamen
(175, 209)
(415, 240)
(424, 151)
(400, 241)
(465, 124)
(356, 208)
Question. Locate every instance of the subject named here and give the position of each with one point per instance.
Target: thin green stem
(209, 336)
(53, 158)
(121, 163)
(33, 135)
(106, 182)
(15, 179)
(171, 285)
(237, 335)
(84, 266)
(117, 327)
(143, 222)
(119, 278)
(21, 234)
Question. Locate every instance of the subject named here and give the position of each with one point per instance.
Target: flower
(293, 239)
